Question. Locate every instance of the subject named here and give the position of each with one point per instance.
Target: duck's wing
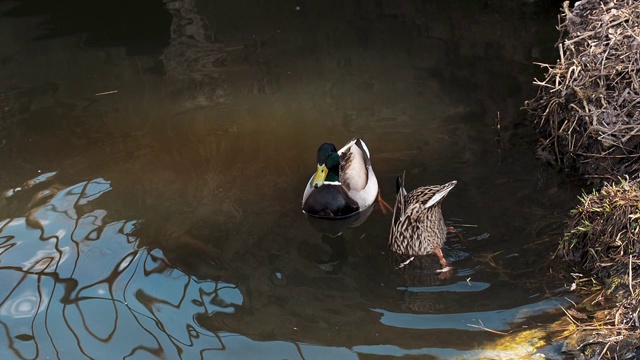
(355, 165)
(428, 196)
(360, 144)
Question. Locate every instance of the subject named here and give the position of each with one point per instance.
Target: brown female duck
(418, 227)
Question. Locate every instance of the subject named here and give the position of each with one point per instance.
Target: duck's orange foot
(384, 206)
(453, 230)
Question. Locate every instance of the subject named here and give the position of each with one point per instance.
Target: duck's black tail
(398, 207)
(400, 185)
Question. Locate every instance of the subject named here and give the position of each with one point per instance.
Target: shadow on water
(158, 216)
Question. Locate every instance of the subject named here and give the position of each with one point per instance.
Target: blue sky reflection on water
(70, 277)
(500, 320)
(461, 286)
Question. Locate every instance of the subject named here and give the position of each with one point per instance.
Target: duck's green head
(328, 165)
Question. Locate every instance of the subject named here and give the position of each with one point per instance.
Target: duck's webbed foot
(453, 230)
(443, 261)
(384, 206)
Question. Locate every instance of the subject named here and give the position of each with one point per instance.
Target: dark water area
(153, 159)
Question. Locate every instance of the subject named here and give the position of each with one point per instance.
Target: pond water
(153, 159)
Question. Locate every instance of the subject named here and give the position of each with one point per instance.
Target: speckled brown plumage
(418, 227)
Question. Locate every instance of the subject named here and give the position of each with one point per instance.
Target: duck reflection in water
(333, 236)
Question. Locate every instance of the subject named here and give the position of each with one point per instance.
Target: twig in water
(481, 326)
(463, 225)
(106, 93)
(569, 316)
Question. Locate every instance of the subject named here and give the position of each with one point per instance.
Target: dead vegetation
(588, 106)
(603, 244)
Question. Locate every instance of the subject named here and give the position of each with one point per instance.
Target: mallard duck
(344, 183)
(418, 227)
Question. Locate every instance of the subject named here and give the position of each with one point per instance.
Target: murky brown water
(151, 203)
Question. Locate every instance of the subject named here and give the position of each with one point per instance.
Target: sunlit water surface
(151, 195)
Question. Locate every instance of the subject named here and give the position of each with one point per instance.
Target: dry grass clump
(603, 234)
(603, 241)
(588, 106)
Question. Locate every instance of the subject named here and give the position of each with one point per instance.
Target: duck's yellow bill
(321, 174)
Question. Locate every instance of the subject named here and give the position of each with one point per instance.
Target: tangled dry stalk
(604, 232)
(588, 106)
